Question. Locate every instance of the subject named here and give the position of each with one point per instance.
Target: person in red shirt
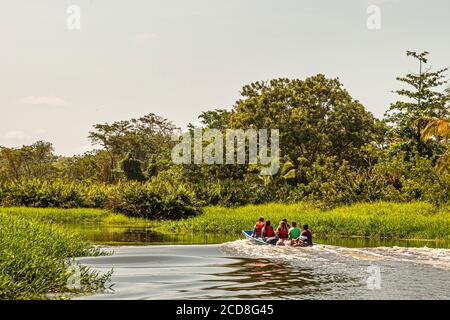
(268, 234)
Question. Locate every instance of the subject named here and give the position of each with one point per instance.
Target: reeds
(73, 216)
(35, 260)
(417, 220)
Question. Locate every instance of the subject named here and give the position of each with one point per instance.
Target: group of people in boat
(284, 235)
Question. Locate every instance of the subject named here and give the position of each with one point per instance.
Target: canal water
(147, 265)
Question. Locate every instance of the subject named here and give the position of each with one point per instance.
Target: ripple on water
(240, 269)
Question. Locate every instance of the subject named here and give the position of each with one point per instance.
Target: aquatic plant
(417, 220)
(73, 216)
(36, 261)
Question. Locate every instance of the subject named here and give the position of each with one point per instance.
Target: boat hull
(258, 241)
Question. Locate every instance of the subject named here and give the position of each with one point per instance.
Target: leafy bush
(52, 194)
(331, 184)
(156, 199)
(233, 193)
(153, 200)
(327, 183)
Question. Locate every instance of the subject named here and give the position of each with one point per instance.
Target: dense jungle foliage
(333, 152)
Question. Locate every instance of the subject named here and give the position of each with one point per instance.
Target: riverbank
(37, 244)
(75, 216)
(388, 220)
(35, 261)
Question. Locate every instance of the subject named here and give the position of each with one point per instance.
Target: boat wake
(327, 254)
(242, 270)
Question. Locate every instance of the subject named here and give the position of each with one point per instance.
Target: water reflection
(263, 279)
(205, 272)
(117, 235)
(259, 272)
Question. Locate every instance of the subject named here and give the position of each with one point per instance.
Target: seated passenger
(268, 234)
(282, 233)
(306, 236)
(287, 224)
(257, 230)
(294, 234)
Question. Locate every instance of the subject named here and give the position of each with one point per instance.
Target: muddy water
(239, 269)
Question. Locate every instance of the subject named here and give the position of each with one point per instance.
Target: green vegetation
(35, 260)
(376, 220)
(438, 128)
(73, 216)
(410, 117)
(333, 153)
(343, 171)
(152, 200)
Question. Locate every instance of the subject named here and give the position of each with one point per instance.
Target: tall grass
(34, 260)
(75, 216)
(416, 220)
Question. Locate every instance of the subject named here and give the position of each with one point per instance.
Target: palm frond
(436, 128)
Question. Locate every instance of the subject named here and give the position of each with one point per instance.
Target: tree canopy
(315, 116)
(421, 100)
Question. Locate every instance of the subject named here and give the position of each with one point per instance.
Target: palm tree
(439, 129)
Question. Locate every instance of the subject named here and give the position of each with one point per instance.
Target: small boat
(259, 241)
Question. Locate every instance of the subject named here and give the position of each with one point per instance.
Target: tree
(145, 137)
(216, 119)
(439, 129)
(315, 116)
(152, 168)
(408, 118)
(33, 161)
(93, 165)
(131, 168)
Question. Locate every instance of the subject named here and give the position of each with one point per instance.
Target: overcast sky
(177, 58)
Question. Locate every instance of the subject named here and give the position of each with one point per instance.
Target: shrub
(52, 194)
(153, 200)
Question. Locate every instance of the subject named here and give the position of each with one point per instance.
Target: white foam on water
(437, 258)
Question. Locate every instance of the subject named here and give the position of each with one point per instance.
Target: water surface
(240, 269)
(120, 235)
(146, 265)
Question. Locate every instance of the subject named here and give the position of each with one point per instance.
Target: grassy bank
(76, 216)
(377, 220)
(35, 260)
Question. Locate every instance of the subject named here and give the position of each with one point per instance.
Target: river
(185, 267)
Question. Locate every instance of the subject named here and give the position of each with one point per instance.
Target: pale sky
(177, 58)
